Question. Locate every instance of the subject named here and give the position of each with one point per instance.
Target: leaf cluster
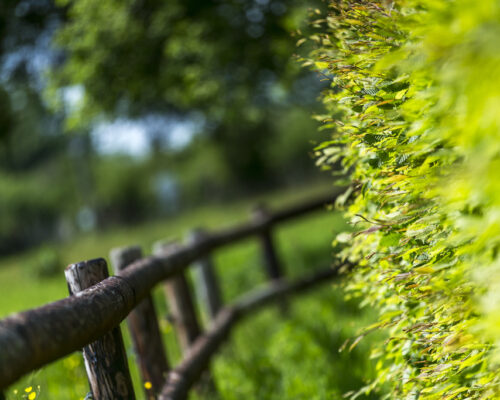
(412, 106)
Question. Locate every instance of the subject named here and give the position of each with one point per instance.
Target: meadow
(269, 356)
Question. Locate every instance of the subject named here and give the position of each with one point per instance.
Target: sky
(132, 137)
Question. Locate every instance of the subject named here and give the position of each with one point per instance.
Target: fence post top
(260, 211)
(166, 246)
(94, 263)
(84, 274)
(121, 257)
(197, 234)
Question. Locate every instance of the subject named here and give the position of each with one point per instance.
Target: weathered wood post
(179, 300)
(270, 258)
(183, 312)
(144, 329)
(206, 285)
(105, 359)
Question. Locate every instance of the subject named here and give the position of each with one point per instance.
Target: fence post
(271, 261)
(206, 285)
(105, 359)
(270, 257)
(183, 313)
(180, 302)
(143, 325)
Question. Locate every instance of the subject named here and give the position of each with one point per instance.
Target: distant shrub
(29, 211)
(413, 108)
(122, 193)
(47, 263)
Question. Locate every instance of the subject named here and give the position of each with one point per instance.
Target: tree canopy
(67, 68)
(228, 61)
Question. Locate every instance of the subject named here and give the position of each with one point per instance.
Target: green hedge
(414, 111)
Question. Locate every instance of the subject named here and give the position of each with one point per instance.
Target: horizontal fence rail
(34, 338)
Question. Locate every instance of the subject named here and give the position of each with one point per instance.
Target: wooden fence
(89, 318)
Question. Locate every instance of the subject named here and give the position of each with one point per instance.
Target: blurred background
(113, 113)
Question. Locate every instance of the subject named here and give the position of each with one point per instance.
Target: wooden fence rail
(34, 338)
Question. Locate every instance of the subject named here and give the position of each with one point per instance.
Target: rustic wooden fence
(89, 318)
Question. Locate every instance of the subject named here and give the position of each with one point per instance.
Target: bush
(30, 209)
(122, 193)
(413, 111)
(47, 263)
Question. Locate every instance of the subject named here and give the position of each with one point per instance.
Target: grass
(297, 357)
(268, 357)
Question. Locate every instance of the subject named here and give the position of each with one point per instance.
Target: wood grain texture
(33, 338)
(144, 329)
(105, 359)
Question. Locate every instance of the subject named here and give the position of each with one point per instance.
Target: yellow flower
(32, 396)
(28, 389)
(148, 385)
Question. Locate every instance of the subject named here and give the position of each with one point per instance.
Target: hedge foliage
(413, 108)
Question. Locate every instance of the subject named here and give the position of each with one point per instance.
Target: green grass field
(268, 356)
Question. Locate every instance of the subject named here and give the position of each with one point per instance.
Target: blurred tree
(37, 192)
(30, 133)
(36, 189)
(223, 62)
(226, 59)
